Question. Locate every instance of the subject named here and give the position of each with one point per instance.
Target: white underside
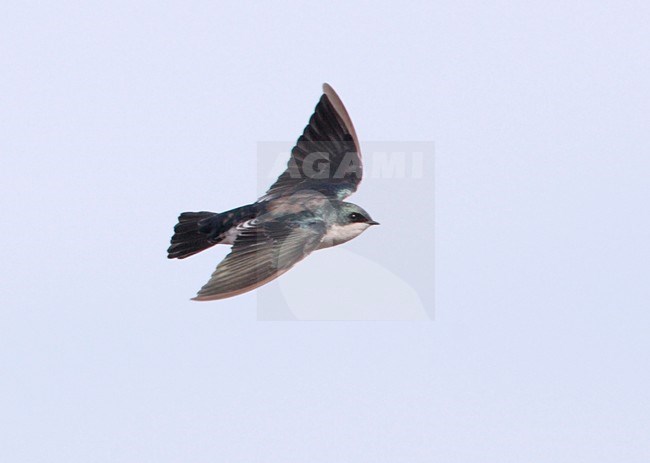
(230, 236)
(337, 234)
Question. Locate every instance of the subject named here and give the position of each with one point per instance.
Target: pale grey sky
(116, 116)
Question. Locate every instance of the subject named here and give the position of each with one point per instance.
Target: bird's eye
(356, 217)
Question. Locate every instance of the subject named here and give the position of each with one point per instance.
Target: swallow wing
(263, 251)
(326, 157)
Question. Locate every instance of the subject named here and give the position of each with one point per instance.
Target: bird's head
(352, 215)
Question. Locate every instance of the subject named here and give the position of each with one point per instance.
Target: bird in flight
(301, 212)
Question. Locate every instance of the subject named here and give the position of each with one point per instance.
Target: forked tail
(197, 231)
(192, 234)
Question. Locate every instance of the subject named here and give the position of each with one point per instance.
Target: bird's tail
(191, 234)
(197, 231)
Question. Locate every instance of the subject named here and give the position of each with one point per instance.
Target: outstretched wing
(326, 157)
(262, 252)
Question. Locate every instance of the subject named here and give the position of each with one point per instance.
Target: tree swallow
(302, 211)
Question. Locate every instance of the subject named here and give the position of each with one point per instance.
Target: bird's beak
(372, 222)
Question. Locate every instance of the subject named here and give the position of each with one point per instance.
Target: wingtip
(340, 109)
(330, 92)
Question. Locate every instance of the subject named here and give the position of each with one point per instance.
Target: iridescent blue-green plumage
(301, 212)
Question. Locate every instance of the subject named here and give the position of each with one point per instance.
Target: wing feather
(330, 132)
(261, 253)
